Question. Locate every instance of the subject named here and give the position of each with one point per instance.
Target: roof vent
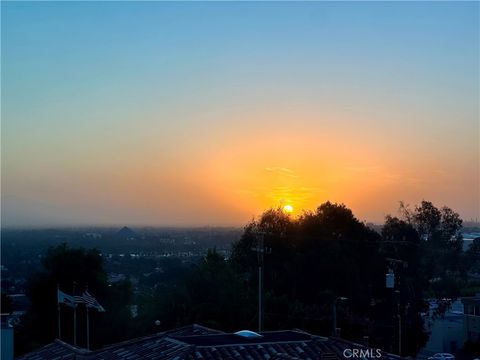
(248, 334)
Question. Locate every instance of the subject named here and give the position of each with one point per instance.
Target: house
(6, 339)
(196, 342)
(446, 331)
(471, 315)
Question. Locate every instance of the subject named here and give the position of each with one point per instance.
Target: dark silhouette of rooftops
(234, 339)
(196, 342)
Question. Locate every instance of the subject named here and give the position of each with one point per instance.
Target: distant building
(114, 277)
(196, 342)
(127, 233)
(6, 339)
(446, 331)
(469, 238)
(19, 305)
(95, 236)
(472, 318)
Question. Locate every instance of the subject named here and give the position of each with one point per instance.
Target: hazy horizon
(206, 114)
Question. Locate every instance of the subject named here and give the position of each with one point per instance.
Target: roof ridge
(251, 344)
(292, 330)
(74, 348)
(194, 326)
(206, 328)
(132, 341)
(168, 333)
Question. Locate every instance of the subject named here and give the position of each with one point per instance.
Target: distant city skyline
(208, 113)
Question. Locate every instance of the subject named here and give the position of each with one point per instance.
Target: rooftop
(235, 339)
(196, 342)
(472, 300)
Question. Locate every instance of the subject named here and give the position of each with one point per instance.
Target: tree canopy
(309, 262)
(68, 268)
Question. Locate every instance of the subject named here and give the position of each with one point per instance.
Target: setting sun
(288, 209)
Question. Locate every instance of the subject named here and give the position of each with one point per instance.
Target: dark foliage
(309, 262)
(65, 267)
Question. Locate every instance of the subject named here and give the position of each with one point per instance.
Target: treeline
(310, 262)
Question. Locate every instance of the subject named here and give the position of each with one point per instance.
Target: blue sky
(134, 112)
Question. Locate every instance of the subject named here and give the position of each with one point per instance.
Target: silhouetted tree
(443, 261)
(217, 293)
(209, 293)
(402, 247)
(473, 255)
(313, 260)
(63, 266)
(6, 304)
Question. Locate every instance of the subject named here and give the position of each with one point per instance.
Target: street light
(340, 298)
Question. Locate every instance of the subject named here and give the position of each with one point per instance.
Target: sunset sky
(208, 113)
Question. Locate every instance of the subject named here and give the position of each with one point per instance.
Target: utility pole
(88, 321)
(260, 249)
(399, 332)
(334, 319)
(88, 330)
(74, 316)
(398, 265)
(334, 314)
(59, 320)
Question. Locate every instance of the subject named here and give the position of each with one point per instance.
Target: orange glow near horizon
(286, 169)
(240, 175)
(287, 208)
(275, 169)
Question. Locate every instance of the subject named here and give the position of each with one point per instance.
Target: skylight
(248, 334)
